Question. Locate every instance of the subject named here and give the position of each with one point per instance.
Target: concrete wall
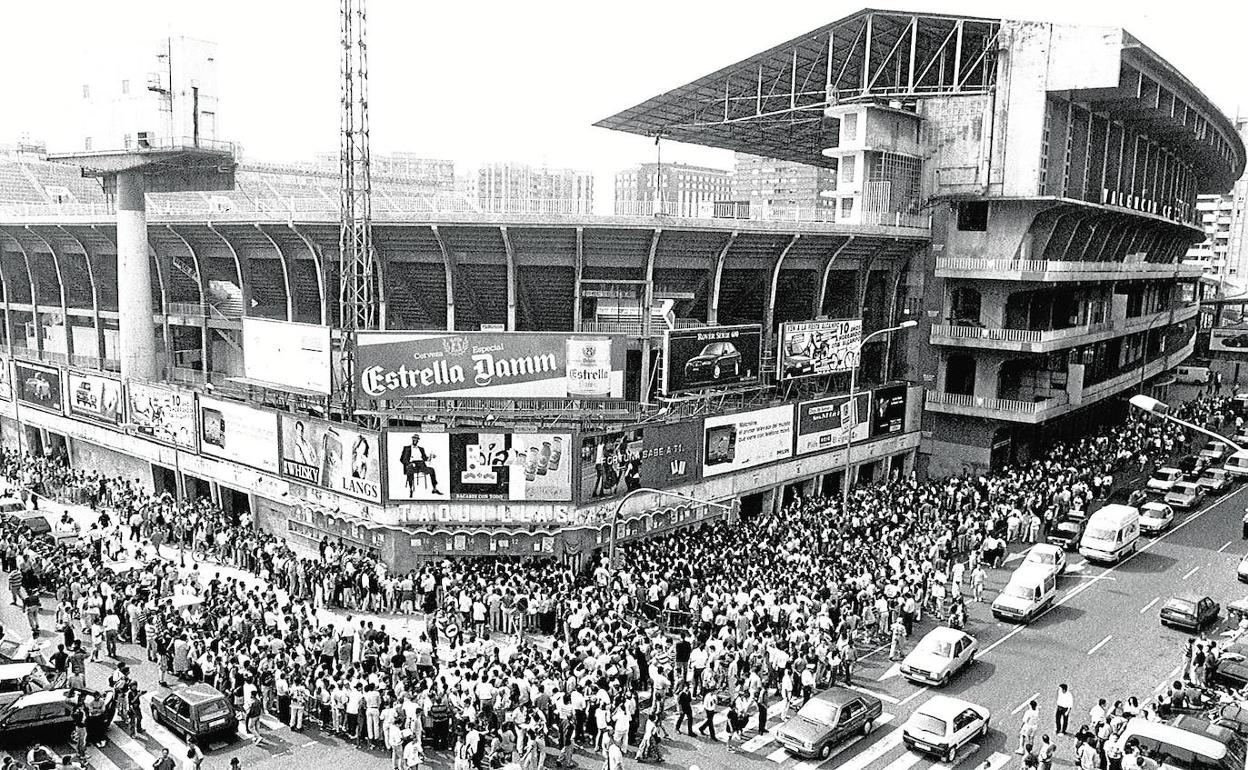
(86, 455)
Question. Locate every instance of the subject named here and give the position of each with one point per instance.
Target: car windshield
(1020, 590)
(939, 647)
(1182, 605)
(1068, 526)
(927, 723)
(213, 710)
(1101, 533)
(1042, 557)
(819, 711)
(1154, 512)
(1163, 476)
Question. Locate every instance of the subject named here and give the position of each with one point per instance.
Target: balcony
(1046, 270)
(1035, 341)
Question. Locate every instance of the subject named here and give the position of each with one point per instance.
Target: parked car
(939, 655)
(49, 710)
(11, 505)
(942, 725)
(1192, 466)
(828, 719)
(1215, 451)
(1066, 532)
(196, 712)
(1156, 517)
(1046, 556)
(18, 679)
(1163, 479)
(717, 361)
(1185, 494)
(1189, 612)
(1232, 668)
(1215, 480)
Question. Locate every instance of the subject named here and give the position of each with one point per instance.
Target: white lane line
(966, 751)
(100, 761)
(914, 695)
(1023, 705)
(904, 762)
(1149, 606)
(1225, 545)
(758, 741)
(779, 755)
(873, 693)
(1100, 644)
(136, 750)
(862, 758)
(1191, 572)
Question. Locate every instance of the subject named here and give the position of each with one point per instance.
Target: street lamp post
(615, 515)
(853, 405)
(1160, 409)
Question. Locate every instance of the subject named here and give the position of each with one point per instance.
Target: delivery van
(1112, 534)
(1185, 742)
(1237, 465)
(1191, 374)
(1029, 592)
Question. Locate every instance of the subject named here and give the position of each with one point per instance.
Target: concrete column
(136, 340)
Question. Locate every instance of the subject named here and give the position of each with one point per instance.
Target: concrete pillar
(136, 339)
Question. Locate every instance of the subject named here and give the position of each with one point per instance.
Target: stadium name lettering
(377, 380)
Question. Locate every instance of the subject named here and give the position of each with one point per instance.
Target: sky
(483, 81)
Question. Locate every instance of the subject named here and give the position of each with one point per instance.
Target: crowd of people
(524, 661)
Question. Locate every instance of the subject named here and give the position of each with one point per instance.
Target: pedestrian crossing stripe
(781, 754)
(904, 762)
(863, 758)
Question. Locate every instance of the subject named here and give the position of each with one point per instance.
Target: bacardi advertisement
(519, 466)
(656, 456)
(822, 424)
(397, 365)
(333, 456)
(38, 385)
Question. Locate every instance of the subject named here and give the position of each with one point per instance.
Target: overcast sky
(479, 81)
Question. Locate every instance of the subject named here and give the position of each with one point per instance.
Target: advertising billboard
(734, 442)
(333, 456)
(1229, 339)
(517, 466)
(162, 414)
(287, 353)
(822, 423)
(394, 365)
(232, 431)
(812, 348)
(94, 397)
(419, 465)
(888, 414)
(38, 385)
(710, 357)
(657, 456)
(6, 380)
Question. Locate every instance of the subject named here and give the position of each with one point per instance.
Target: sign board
(418, 465)
(6, 380)
(243, 434)
(822, 423)
(395, 365)
(656, 456)
(517, 466)
(733, 442)
(95, 397)
(710, 357)
(888, 414)
(814, 348)
(284, 353)
(326, 454)
(161, 414)
(38, 386)
(1228, 339)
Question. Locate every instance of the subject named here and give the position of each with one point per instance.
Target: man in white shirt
(1065, 702)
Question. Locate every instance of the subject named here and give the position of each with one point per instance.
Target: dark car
(1232, 670)
(1192, 466)
(196, 712)
(53, 710)
(717, 361)
(1066, 532)
(1189, 612)
(828, 719)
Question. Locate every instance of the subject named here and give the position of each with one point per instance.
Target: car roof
(42, 697)
(17, 670)
(839, 696)
(1153, 505)
(1167, 470)
(1176, 736)
(1190, 598)
(197, 693)
(945, 706)
(944, 633)
(1043, 547)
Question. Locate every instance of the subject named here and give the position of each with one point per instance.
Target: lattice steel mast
(356, 296)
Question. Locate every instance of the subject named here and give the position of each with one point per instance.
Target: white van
(1111, 533)
(1192, 375)
(1029, 592)
(1237, 465)
(1187, 742)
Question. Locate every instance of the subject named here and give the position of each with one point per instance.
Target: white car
(1242, 572)
(1050, 557)
(939, 655)
(1185, 494)
(942, 725)
(1215, 451)
(1163, 480)
(1215, 480)
(1156, 517)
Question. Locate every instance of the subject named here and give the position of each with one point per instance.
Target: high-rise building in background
(432, 176)
(518, 188)
(1224, 218)
(687, 190)
(781, 184)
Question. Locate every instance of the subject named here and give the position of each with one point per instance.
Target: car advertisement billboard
(656, 456)
(38, 386)
(813, 348)
(1229, 339)
(95, 398)
(517, 466)
(164, 415)
(711, 357)
(733, 442)
(285, 353)
(418, 465)
(888, 414)
(395, 365)
(232, 431)
(822, 423)
(337, 457)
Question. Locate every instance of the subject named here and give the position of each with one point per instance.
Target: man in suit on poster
(416, 459)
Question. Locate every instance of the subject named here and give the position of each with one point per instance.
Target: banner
(95, 398)
(161, 414)
(38, 386)
(1230, 339)
(889, 414)
(284, 353)
(711, 356)
(821, 424)
(394, 365)
(418, 465)
(232, 431)
(656, 456)
(733, 442)
(330, 455)
(518, 466)
(818, 347)
(6, 380)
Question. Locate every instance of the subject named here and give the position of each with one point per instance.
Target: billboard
(821, 423)
(1229, 339)
(333, 456)
(418, 465)
(95, 397)
(38, 385)
(6, 380)
(517, 466)
(888, 415)
(818, 347)
(733, 442)
(711, 356)
(161, 414)
(394, 365)
(232, 431)
(657, 456)
(286, 353)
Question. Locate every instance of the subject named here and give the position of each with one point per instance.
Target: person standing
(684, 701)
(165, 762)
(1027, 730)
(1065, 702)
(710, 703)
(1048, 750)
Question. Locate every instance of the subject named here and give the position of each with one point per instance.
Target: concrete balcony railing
(1000, 408)
(1044, 341)
(1047, 270)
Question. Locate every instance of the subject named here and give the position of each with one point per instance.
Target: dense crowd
(523, 660)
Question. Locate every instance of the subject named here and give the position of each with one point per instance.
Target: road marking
(862, 758)
(100, 761)
(1025, 703)
(133, 748)
(779, 755)
(914, 695)
(272, 723)
(873, 693)
(1191, 572)
(893, 670)
(1100, 644)
(904, 762)
(1225, 545)
(1149, 606)
(966, 751)
(758, 741)
(998, 760)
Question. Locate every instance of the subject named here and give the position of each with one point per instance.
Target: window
(86, 91)
(847, 168)
(86, 144)
(847, 208)
(849, 127)
(973, 216)
(125, 86)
